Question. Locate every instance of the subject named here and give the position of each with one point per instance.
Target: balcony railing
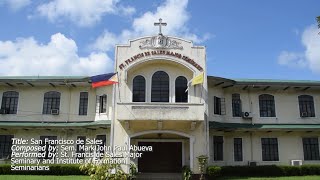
(160, 111)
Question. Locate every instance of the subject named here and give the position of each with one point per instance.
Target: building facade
(232, 121)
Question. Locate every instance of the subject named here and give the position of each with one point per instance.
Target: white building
(233, 122)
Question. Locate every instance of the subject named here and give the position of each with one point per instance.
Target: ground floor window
(79, 149)
(45, 142)
(218, 148)
(270, 149)
(5, 146)
(103, 138)
(237, 148)
(311, 148)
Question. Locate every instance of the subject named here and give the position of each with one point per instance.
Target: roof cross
(160, 23)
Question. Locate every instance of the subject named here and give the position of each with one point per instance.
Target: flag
(198, 79)
(104, 80)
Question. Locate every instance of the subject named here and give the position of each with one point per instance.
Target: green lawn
(34, 177)
(274, 178)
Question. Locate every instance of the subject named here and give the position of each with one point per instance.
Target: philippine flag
(104, 80)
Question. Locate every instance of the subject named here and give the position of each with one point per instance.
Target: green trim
(42, 77)
(86, 78)
(275, 81)
(55, 124)
(267, 81)
(220, 125)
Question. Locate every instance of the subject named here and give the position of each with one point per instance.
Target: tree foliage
(318, 19)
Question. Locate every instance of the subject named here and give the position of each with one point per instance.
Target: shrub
(291, 170)
(104, 170)
(55, 169)
(264, 171)
(186, 173)
(214, 171)
(310, 169)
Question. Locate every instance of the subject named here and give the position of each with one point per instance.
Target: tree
(318, 19)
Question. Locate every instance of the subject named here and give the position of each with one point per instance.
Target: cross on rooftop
(160, 23)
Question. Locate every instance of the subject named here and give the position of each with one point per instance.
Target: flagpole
(201, 92)
(113, 119)
(113, 116)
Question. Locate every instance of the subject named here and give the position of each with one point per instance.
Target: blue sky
(244, 39)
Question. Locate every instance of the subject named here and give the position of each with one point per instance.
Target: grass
(273, 178)
(36, 177)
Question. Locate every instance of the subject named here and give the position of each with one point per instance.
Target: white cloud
(82, 13)
(26, 56)
(310, 57)
(173, 12)
(311, 40)
(292, 59)
(16, 4)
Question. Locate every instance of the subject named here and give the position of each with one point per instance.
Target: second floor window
(102, 104)
(83, 103)
(219, 105)
(160, 87)
(181, 86)
(236, 105)
(139, 89)
(306, 106)
(267, 106)
(51, 101)
(10, 102)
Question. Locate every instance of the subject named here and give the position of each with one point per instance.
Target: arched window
(181, 86)
(51, 101)
(10, 102)
(160, 87)
(306, 106)
(266, 105)
(139, 89)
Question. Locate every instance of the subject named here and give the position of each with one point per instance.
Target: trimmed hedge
(263, 171)
(55, 169)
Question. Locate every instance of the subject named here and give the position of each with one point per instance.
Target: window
(236, 105)
(266, 105)
(217, 148)
(102, 104)
(160, 87)
(219, 105)
(44, 143)
(83, 103)
(80, 147)
(311, 148)
(51, 101)
(10, 102)
(237, 149)
(181, 86)
(5, 146)
(270, 149)
(139, 89)
(103, 138)
(306, 106)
